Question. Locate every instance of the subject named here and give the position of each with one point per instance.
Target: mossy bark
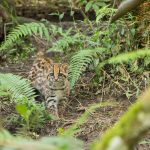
(129, 129)
(125, 7)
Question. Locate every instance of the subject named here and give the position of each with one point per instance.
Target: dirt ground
(81, 98)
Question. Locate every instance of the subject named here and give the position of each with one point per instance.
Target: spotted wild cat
(50, 79)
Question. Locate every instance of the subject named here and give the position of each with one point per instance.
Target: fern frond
(80, 61)
(65, 42)
(103, 12)
(125, 57)
(24, 30)
(16, 86)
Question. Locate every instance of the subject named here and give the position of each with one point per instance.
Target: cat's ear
(64, 68)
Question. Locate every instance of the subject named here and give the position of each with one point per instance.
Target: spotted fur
(50, 79)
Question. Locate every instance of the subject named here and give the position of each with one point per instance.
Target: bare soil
(81, 98)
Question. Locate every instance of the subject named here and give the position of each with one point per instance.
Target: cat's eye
(61, 75)
(51, 74)
(51, 79)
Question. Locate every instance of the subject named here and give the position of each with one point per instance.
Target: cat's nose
(56, 79)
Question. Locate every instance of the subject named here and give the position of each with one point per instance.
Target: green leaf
(125, 57)
(22, 31)
(61, 16)
(23, 111)
(80, 61)
(88, 6)
(71, 13)
(16, 86)
(95, 7)
(3, 93)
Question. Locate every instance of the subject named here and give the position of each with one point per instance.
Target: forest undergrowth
(109, 68)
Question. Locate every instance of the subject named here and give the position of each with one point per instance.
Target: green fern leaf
(24, 30)
(80, 61)
(16, 86)
(126, 57)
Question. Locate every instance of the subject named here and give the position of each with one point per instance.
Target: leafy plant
(94, 5)
(24, 30)
(20, 51)
(21, 93)
(33, 115)
(9, 142)
(120, 134)
(87, 43)
(100, 13)
(60, 15)
(126, 57)
(80, 61)
(65, 41)
(16, 86)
